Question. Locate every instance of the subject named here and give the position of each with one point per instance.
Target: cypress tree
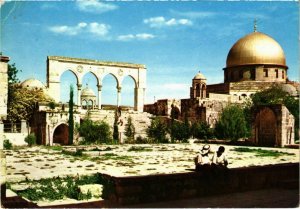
(116, 129)
(71, 118)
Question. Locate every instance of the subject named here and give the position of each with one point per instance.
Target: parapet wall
(153, 188)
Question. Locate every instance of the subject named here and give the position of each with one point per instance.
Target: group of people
(203, 161)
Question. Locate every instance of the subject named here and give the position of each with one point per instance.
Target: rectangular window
(266, 72)
(282, 74)
(276, 72)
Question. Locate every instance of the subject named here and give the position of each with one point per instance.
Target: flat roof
(95, 62)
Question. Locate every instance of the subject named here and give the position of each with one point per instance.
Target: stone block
(95, 189)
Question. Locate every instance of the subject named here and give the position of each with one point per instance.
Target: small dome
(32, 83)
(256, 48)
(87, 92)
(200, 76)
(290, 89)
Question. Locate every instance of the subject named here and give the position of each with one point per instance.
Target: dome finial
(255, 25)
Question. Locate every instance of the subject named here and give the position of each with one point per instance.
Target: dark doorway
(266, 127)
(61, 134)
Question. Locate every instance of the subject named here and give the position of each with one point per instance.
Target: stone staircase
(140, 120)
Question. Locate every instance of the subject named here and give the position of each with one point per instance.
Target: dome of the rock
(256, 48)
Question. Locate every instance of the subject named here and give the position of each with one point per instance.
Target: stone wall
(164, 187)
(267, 73)
(221, 88)
(4, 87)
(17, 139)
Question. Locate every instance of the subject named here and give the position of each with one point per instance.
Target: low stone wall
(17, 139)
(153, 188)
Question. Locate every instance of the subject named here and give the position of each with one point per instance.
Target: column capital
(79, 86)
(119, 88)
(99, 87)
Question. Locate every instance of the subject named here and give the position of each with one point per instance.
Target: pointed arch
(67, 78)
(61, 134)
(109, 88)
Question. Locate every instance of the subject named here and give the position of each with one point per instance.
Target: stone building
(88, 98)
(255, 62)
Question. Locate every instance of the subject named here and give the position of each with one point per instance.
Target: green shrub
(179, 131)
(7, 144)
(201, 130)
(143, 140)
(30, 139)
(157, 131)
(129, 129)
(232, 124)
(95, 132)
(52, 105)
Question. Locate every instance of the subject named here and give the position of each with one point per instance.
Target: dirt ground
(127, 160)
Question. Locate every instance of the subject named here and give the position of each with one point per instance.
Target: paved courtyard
(127, 160)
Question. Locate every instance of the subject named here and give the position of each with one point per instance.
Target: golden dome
(256, 48)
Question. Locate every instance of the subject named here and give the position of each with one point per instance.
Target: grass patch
(262, 153)
(58, 188)
(112, 156)
(139, 149)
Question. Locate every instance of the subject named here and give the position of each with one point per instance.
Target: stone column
(24, 126)
(1, 127)
(79, 95)
(139, 97)
(119, 96)
(3, 175)
(99, 96)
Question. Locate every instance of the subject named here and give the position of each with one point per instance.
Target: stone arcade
(56, 66)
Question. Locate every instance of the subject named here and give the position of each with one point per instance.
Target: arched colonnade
(57, 65)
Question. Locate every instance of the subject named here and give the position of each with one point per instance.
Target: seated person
(202, 160)
(220, 158)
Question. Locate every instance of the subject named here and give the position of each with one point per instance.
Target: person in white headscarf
(202, 160)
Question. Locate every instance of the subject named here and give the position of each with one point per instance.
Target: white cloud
(98, 29)
(94, 28)
(139, 36)
(158, 22)
(95, 6)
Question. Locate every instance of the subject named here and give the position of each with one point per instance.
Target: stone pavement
(271, 198)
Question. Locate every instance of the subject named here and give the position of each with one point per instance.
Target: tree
(71, 117)
(201, 130)
(95, 132)
(232, 123)
(12, 74)
(22, 102)
(129, 129)
(180, 130)
(273, 95)
(157, 131)
(116, 128)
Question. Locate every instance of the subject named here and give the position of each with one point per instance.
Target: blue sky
(174, 40)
